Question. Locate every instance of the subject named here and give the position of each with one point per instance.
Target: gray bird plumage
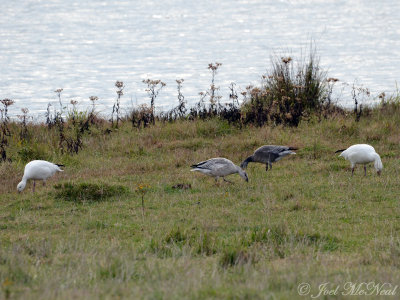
(268, 154)
(219, 167)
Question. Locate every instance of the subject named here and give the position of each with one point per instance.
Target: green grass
(306, 220)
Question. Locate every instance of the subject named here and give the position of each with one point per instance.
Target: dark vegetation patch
(234, 257)
(182, 186)
(195, 241)
(88, 192)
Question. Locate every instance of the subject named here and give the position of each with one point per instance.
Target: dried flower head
(7, 102)
(214, 67)
(331, 79)
(142, 188)
(119, 84)
(286, 60)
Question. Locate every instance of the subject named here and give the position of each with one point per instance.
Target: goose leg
(365, 170)
(270, 166)
(34, 184)
(352, 171)
(227, 180)
(266, 167)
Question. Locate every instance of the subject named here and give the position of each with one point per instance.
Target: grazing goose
(362, 154)
(268, 154)
(38, 170)
(219, 167)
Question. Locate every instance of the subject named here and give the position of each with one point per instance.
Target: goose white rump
(362, 154)
(219, 167)
(38, 170)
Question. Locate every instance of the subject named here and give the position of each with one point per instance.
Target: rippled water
(85, 46)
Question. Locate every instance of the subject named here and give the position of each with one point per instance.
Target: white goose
(38, 170)
(362, 154)
(219, 167)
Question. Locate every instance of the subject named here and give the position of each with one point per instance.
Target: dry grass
(306, 220)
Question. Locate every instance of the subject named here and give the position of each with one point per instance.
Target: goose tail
(378, 164)
(341, 150)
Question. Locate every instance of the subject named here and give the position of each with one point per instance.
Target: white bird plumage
(219, 167)
(362, 154)
(38, 170)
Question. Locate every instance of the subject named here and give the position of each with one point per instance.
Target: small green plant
(93, 99)
(58, 92)
(142, 189)
(359, 94)
(120, 92)
(178, 112)
(78, 123)
(200, 110)
(231, 110)
(212, 92)
(23, 134)
(4, 128)
(153, 89)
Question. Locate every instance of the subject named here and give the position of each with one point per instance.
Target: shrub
(30, 152)
(288, 93)
(141, 116)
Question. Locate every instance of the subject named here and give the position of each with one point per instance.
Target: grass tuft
(236, 257)
(88, 192)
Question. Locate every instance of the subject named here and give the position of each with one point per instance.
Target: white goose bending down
(38, 170)
(219, 167)
(268, 154)
(362, 154)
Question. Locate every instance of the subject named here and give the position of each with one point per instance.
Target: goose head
(21, 186)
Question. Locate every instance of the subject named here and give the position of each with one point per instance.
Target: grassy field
(305, 221)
